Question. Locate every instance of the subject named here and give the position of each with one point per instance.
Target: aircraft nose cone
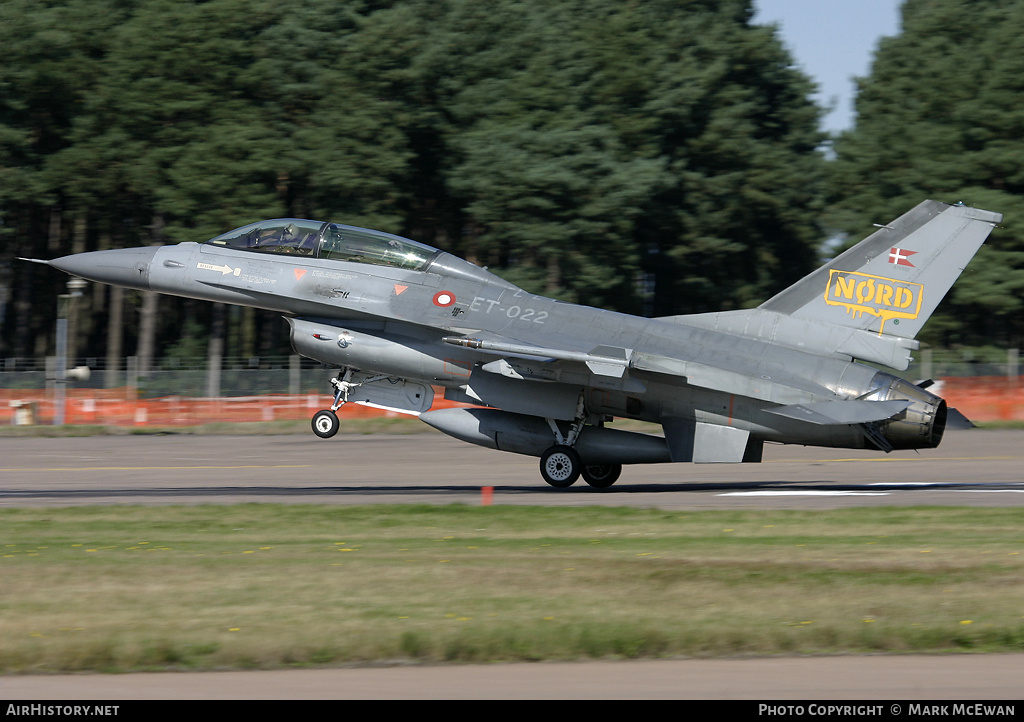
(127, 267)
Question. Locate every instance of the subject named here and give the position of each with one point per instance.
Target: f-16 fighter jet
(399, 319)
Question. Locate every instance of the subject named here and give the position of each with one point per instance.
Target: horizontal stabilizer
(957, 421)
(827, 413)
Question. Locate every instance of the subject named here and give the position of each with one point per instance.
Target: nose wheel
(325, 423)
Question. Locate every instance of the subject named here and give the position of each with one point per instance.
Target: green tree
(209, 115)
(53, 55)
(940, 117)
(580, 148)
(593, 144)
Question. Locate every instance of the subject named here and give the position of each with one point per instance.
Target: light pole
(65, 309)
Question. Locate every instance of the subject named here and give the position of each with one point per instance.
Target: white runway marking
(981, 487)
(989, 491)
(807, 492)
(817, 492)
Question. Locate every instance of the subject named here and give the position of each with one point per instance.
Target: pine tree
(940, 117)
(595, 144)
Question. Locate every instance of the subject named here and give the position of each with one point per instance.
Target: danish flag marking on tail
(901, 256)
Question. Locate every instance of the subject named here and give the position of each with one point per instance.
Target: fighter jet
(546, 378)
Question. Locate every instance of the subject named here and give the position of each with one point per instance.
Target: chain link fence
(192, 377)
(984, 385)
(236, 376)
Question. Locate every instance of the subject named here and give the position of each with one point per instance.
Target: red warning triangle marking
(399, 289)
(299, 273)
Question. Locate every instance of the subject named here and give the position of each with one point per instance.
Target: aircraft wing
(733, 381)
(687, 441)
(601, 360)
(614, 361)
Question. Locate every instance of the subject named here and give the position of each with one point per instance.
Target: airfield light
(65, 312)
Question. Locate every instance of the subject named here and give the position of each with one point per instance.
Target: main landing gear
(561, 466)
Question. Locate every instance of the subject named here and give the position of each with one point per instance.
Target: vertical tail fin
(891, 282)
(871, 301)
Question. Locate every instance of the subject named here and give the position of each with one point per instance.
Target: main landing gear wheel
(325, 423)
(560, 466)
(601, 476)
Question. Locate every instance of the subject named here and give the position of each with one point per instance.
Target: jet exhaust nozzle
(922, 425)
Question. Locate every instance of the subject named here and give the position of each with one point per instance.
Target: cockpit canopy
(316, 239)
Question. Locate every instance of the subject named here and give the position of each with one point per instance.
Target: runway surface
(977, 468)
(817, 679)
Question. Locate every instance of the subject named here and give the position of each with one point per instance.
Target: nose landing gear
(325, 422)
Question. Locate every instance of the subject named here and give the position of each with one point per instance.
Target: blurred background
(656, 158)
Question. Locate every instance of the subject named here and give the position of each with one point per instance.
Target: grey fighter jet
(399, 319)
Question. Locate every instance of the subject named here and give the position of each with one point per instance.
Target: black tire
(325, 423)
(560, 466)
(601, 476)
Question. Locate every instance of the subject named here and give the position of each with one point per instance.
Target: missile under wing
(400, 319)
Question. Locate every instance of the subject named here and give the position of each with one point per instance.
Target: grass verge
(267, 586)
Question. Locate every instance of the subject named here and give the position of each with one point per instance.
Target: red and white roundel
(444, 299)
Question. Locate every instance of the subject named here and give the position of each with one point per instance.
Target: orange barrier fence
(112, 407)
(985, 398)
